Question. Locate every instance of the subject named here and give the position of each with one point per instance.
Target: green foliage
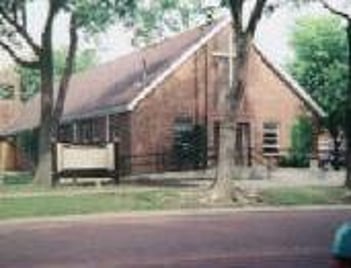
(158, 18)
(30, 78)
(95, 16)
(301, 144)
(17, 179)
(84, 60)
(30, 82)
(29, 143)
(320, 64)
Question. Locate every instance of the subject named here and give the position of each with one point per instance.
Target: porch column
(107, 136)
(75, 132)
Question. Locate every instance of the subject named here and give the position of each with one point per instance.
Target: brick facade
(193, 91)
(148, 132)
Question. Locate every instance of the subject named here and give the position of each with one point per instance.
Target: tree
(320, 66)
(301, 142)
(347, 109)
(243, 35)
(157, 19)
(84, 15)
(30, 78)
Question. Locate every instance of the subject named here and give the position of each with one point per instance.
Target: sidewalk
(289, 177)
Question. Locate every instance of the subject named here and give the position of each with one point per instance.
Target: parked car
(341, 248)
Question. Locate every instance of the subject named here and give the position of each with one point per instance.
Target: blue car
(341, 248)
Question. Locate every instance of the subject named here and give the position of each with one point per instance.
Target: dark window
(85, 131)
(190, 144)
(91, 130)
(66, 133)
(270, 139)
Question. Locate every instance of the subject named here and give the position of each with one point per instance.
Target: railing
(167, 161)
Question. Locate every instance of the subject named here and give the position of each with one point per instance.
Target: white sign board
(81, 157)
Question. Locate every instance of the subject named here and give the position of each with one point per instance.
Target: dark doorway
(243, 144)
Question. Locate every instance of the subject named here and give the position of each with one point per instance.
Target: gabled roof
(120, 85)
(114, 86)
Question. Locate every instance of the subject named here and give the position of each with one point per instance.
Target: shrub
(301, 144)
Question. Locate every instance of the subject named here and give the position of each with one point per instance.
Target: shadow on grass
(184, 182)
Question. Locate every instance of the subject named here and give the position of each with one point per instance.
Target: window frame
(270, 133)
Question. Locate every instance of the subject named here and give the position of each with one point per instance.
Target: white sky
(272, 35)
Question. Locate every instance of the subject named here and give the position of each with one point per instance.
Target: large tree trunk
(227, 168)
(348, 115)
(43, 175)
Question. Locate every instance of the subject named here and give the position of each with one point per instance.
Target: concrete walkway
(254, 178)
(289, 177)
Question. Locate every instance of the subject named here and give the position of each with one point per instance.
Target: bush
(19, 178)
(301, 144)
(189, 148)
(28, 141)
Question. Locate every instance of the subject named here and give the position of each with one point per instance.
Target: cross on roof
(229, 56)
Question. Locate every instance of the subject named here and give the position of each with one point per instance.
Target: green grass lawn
(20, 199)
(56, 205)
(306, 196)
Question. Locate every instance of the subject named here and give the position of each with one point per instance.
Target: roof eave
(185, 56)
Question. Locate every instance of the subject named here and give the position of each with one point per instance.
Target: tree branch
(255, 16)
(67, 73)
(21, 31)
(236, 7)
(335, 11)
(18, 59)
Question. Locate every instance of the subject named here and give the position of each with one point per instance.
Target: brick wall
(271, 100)
(189, 92)
(194, 89)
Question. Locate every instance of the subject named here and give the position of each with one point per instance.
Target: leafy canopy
(320, 63)
(156, 19)
(30, 78)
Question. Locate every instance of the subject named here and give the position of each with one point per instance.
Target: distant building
(153, 101)
(10, 108)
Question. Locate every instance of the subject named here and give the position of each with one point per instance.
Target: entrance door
(243, 144)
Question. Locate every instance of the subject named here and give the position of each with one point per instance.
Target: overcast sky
(272, 35)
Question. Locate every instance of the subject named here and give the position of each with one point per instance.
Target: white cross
(230, 56)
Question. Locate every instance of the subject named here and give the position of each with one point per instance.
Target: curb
(107, 217)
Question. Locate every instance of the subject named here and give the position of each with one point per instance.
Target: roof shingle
(111, 86)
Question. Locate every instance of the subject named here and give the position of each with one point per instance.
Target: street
(267, 239)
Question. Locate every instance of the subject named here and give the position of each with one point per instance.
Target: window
(91, 130)
(270, 142)
(182, 125)
(66, 133)
(85, 131)
(182, 135)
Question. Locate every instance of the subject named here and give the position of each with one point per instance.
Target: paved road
(241, 239)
